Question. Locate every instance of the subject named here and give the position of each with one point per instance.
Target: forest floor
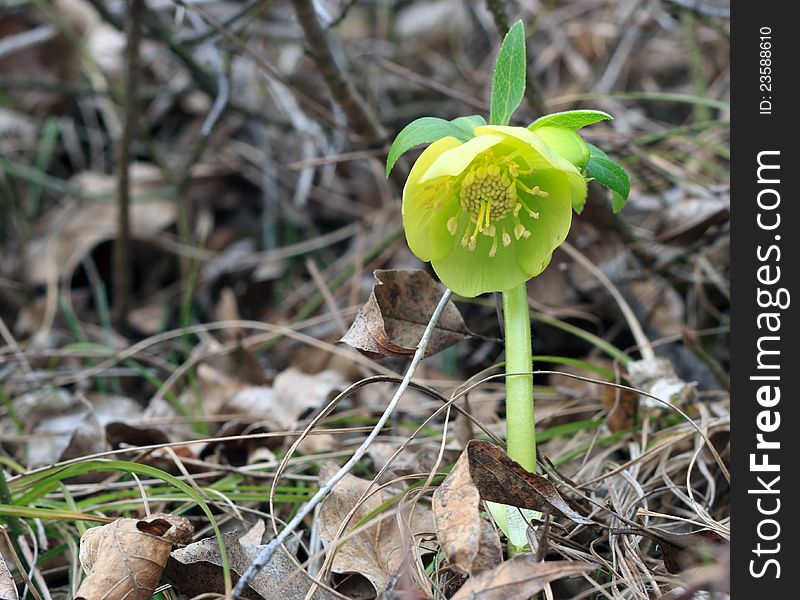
(181, 377)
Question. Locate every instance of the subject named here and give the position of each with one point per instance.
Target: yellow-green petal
(453, 162)
(566, 143)
(535, 150)
(551, 227)
(425, 227)
(470, 273)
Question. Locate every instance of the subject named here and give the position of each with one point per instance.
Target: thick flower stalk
(488, 213)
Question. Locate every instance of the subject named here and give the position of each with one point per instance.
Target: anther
(452, 225)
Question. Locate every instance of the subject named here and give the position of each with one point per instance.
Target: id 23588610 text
(765, 70)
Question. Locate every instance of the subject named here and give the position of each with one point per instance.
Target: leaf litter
(222, 227)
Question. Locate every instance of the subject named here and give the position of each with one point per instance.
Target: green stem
(521, 438)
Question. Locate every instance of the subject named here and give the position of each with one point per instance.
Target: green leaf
(508, 82)
(468, 125)
(430, 129)
(609, 174)
(571, 119)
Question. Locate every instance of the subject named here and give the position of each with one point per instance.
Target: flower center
(489, 196)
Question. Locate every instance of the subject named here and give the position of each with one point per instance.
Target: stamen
(519, 229)
(452, 225)
(506, 238)
(489, 195)
(493, 249)
(531, 213)
(479, 221)
(539, 192)
(535, 191)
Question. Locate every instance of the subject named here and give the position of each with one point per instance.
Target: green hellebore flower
(488, 213)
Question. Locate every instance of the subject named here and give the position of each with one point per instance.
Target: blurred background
(168, 165)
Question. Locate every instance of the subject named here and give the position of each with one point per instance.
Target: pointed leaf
(571, 119)
(609, 174)
(429, 129)
(508, 82)
(501, 479)
(467, 125)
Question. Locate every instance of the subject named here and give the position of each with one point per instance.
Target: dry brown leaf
(456, 512)
(197, 569)
(300, 392)
(394, 317)
(500, 479)
(8, 591)
(124, 560)
(67, 425)
(378, 550)
(69, 233)
(662, 305)
(521, 577)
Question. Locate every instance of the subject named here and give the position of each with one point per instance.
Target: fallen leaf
(298, 392)
(69, 232)
(124, 559)
(500, 479)
(377, 550)
(469, 542)
(397, 312)
(66, 425)
(521, 577)
(197, 569)
(8, 591)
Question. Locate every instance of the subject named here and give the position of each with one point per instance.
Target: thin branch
(269, 550)
(359, 116)
(121, 258)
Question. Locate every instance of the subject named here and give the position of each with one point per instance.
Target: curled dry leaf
(500, 479)
(377, 550)
(197, 569)
(521, 577)
(394, 317)
(125, 559)
(470, 543)
(8, 591)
